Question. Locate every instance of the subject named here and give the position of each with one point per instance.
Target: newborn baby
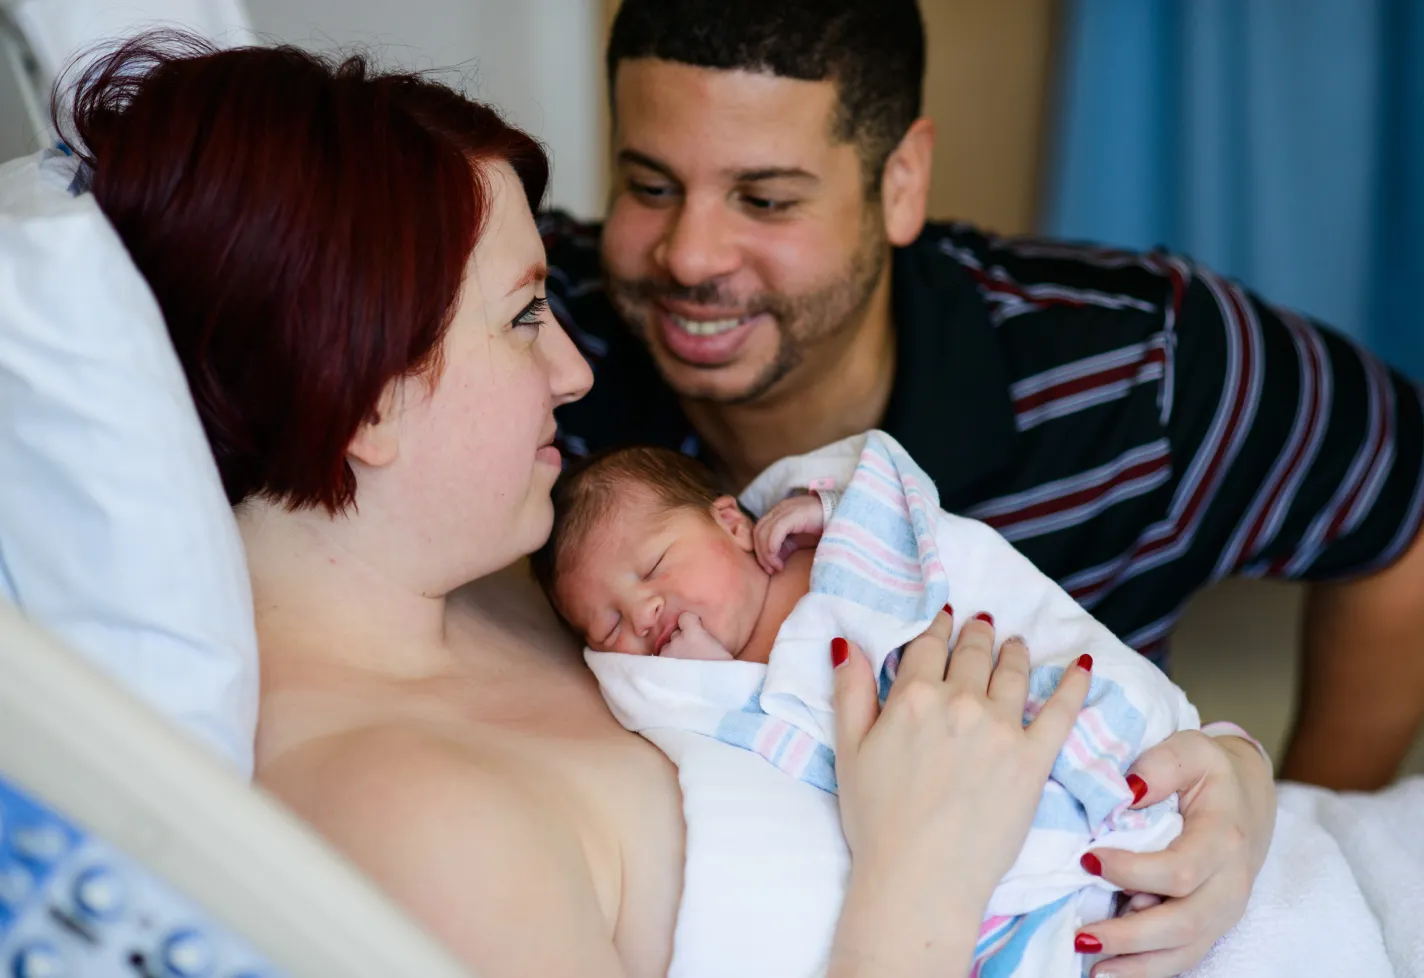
(647, 558)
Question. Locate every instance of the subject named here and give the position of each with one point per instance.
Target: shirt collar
(951, 407)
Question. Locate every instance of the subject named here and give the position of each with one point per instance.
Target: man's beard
(801, 321)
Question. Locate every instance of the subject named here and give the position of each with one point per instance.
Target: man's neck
(833, 394)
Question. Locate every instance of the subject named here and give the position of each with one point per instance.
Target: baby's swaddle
(754, 743)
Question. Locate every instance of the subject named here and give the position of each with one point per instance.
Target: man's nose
(700, 245)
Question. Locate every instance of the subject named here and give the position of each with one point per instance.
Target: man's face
(739, 242)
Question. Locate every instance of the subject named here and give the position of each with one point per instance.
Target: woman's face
(473, 460)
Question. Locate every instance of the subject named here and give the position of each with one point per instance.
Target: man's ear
(376, 442)
(905, 187)
(729, 516)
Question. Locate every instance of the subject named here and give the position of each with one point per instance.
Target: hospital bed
(128, 852)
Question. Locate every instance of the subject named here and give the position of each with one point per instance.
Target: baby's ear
(729, 516)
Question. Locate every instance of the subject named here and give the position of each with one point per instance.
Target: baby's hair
(589, 488)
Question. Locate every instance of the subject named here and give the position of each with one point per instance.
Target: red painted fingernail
(840, 651)
(1087, 944)
(1091, 864)
(1138, 786)
(1085, 662)
(985, 617)
(949, 611)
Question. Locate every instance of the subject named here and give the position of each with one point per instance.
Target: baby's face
(645, 563)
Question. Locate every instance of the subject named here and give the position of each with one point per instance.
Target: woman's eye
(766, 205)
(533, 314)
(648, 190)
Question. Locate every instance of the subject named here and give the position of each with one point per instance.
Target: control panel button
(16, 885)
(37, 960)
(187, 954)
(39, 843)
(99, 893)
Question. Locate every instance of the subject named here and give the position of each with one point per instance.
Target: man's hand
(787, 527)
(1228, 804)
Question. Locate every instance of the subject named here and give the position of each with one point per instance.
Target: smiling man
(766, 282)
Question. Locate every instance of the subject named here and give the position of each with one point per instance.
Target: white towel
(1341, 893)
(889, 559)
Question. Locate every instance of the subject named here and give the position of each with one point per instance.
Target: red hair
(304, 224)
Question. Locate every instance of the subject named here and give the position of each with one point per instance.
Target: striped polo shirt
(1135, 424)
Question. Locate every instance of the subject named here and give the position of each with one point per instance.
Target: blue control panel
(71, 906)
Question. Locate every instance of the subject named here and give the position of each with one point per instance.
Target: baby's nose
(651, 611)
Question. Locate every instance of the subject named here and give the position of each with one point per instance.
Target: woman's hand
(1228, 803)
(938, 791)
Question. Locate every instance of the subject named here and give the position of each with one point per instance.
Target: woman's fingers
(1008, 685)
(924, 657)
(1176, 764)
(1150, 964)
(1176, 871)
(1155, 942)
(973, 658)
(857, 701)
(1055, 721)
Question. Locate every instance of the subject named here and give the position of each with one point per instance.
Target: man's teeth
(705, 327)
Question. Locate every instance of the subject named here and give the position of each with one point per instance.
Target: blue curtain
(1279, 141)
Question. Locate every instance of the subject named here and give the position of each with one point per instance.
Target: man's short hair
(874, 50)
(589, 489)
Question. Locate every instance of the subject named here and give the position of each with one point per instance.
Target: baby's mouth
(665, 634)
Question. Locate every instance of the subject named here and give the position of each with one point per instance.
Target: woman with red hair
(351, 274)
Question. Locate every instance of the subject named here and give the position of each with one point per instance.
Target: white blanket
(1341, 894)
(889, 559)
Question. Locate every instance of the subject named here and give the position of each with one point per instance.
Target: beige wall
(988, 67)
(987, 73)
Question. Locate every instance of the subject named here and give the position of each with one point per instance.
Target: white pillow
(115, 532)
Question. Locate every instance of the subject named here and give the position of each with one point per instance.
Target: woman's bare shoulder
(456, 836)
(380, 766)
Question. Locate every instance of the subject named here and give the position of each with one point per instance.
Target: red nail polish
(1091, 864)
(840, 651)
(986, 618)
(1138, 787)
(1085, 662)
(949, 611)
(1087, 944)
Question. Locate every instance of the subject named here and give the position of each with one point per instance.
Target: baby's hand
(691, 641)
(787, 527)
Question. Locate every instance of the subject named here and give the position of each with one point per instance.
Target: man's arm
(1362, 681)
(1317, 452)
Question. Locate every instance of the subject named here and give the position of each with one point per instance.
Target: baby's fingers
(768, 537)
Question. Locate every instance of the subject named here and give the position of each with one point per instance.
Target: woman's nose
(570, 376)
